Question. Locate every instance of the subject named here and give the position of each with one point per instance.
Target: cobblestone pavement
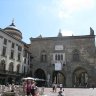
(49, 92)
(71, 92)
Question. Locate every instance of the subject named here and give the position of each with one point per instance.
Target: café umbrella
(28, 78)
(37, 79)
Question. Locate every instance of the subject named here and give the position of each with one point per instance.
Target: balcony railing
(9, 72)
(57, 61)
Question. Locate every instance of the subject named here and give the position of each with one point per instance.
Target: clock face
(58, 47)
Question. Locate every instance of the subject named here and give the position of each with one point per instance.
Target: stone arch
(80, 77)
(59, 78)
(39, 73)
(11, 67)
(2, 65)
(10, 80)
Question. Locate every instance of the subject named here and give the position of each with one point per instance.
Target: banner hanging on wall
(58, 66)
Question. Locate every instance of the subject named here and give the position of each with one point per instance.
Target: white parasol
(28, 78)
(37, 79)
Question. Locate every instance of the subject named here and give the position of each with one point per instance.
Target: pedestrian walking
(28, 88)
(54, 87)
(34, 89)
(61, 86)
(93, 86)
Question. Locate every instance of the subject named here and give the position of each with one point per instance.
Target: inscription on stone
(58, 47)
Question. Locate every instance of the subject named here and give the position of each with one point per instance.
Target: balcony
(57, 61)
(6, 72)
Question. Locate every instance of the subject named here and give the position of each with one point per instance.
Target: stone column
(69, 80)
(91, 77)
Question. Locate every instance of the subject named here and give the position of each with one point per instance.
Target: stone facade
(14, 57)
(74, 57)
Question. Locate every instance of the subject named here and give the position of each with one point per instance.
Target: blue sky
(46, 17)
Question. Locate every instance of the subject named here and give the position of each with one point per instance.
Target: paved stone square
(49, 91)
(71, 92)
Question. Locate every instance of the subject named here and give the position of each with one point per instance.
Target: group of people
(30, 88)
(55, 87)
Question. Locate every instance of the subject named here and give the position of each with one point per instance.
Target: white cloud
(66, 8)
(67, 32)
(64, 15)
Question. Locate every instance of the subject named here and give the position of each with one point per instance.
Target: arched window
(76, 55)
(24, 70)
(61, 57)
(11, 67)
(56, 57)
(3, 65)
(43, 56)
(18, 68)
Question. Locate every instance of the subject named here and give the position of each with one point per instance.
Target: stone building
(69, 60)
(14, 55)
